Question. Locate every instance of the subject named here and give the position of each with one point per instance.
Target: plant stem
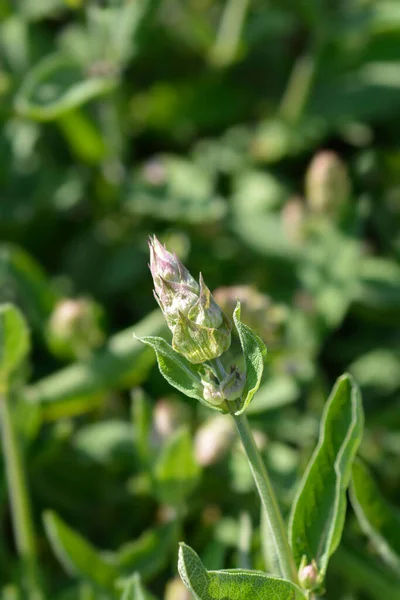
(298, 88)
(275, 521)
(19, 500)
(227, 42)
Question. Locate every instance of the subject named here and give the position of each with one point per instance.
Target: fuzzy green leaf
(79, 557)
(178, 371)
(378, 519)
(14, 340)
(254, 352)
(235, 584)
(176, 472)
(318, 513)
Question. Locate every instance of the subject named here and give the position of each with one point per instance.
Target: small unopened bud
(293, 219)
(229, 388)
(213, 439)
(74, 327)
(327, 184)
(201, 331)
(233, 384)
(308, 575)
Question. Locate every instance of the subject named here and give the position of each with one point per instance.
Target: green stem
(298, 88)
(275, 521)
(244, 545)
(19, 500)
(227, 42)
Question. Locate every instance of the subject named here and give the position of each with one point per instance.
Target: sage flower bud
(200, 330)
(328, 184)
(174, 288)
(230, 388)
(74, 328)
(213, 439)
(308, 575)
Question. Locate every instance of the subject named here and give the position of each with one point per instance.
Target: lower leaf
(234, 584)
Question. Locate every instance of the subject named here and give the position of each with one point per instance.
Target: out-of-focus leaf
(377, 293)
(254, 352)
(176, 472)
(318, 513)
(14, 340)
(123, 362)
(150, 552)
(330, 272)
(365, 574)
(133, 589)
(246, 585)
(83, 136)
(23, 281)
(107, 442)
(378, 371)
(276, 139)
(78, 556)
(274, 393)
(378, 519)
(55, 86)
(171, 188)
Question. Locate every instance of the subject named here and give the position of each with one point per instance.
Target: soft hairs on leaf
(254, 352)
(318, 512)
(178, 371)
(232, 585)
(378, 519)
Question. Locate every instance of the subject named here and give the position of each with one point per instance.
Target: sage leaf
(78, 556)
(232, 584)
(178, 371)
(254, 352)
(318, 513)
(69, 88)
(176, 472)
(14, 340)
(378, 519)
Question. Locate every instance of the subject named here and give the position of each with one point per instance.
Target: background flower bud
(74, 328)
(327, 184)
(213, 439)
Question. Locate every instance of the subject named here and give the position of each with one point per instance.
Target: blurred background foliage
(260, 141)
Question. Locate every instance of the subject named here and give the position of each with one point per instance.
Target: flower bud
(168, 415)
(213, 439)
(308, 575)
(200, 329)
(327, 184)
(233, 384)
(230, 388)
(74, 328)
